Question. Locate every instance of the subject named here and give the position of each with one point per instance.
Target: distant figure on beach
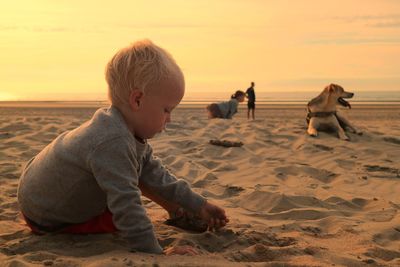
(251, 104)
(226, 109)
(90, 180)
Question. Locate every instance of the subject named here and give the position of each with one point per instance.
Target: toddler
(90, 179)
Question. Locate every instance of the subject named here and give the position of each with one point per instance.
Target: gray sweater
(97, 166)
(228, 108)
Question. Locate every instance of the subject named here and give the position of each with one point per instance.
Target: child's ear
(135, 99)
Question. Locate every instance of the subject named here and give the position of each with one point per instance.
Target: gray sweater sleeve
(233, 104)
(115, 168)
(163, 183)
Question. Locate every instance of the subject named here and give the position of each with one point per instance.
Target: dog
(324, 115)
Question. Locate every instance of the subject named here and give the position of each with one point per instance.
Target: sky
(58, 49)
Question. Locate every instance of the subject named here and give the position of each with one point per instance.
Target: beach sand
(292, 200)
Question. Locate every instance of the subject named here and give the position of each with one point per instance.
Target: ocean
(204, 98)
(291, 97)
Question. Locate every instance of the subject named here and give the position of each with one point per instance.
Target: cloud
(367, 18)
(395, 24)
(161, 25)
(34, 28)
(376, 21)
(55, 28)
(50, 29)
(8, 28)
(349, 41)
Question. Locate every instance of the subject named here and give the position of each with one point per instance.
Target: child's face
(157, 105)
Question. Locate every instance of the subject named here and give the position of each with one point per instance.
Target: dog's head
(339, 93)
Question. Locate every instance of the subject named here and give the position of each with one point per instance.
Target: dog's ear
(330, 88)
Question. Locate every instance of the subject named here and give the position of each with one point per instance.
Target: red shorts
(102, 223)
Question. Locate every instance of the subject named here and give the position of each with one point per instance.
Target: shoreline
(186, 104)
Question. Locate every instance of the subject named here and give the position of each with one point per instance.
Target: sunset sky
(57, 50)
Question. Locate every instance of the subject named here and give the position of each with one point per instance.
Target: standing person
(226, 109)
(90, 179)
(251, 104)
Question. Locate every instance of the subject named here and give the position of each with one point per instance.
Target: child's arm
(115, 169)
(162, 183)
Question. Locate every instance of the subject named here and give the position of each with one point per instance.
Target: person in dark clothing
(251, 104)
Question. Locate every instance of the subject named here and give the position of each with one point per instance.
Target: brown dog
(323, 115)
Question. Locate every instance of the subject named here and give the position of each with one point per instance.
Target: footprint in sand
(16, 128)
(16, 263)
(6, 135)
(255, 147)
(226, 167)
(184, 144)
(301, 170)
(345, 164)
(373, 152)
(209, 164)
(206, 180)
(232, 190)
(381, 216)
(269, 187)
(264, 253)
(382, 171)
(313, 186)
(227, 241)
(188, 173)
(13, 205)
(176, 164)
(283, 137)
(323, 147)
(274, 159)
(29, 154)
(222, 192)
(356, 204)
(51, 127)
(49, 247)
(39, 257)
(392, 140)
(16, 145)
(311, 230)
(387, 237)
(215, 242)
(167, 160)
(255, 160)
(15, 235)
(288, 207)
(361, 202)
(229, 136)
(383, 254)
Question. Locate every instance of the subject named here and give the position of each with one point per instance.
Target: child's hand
(181, 250)
(213, 215)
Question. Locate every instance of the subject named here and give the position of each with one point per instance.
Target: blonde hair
(138, 66)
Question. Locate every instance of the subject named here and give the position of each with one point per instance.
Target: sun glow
(4, 96)
(58, 49)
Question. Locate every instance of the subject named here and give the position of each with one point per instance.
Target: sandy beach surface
(292, 200)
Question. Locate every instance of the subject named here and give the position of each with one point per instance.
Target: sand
(292, 200)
